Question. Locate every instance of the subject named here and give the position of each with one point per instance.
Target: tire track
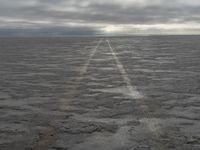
(134, 93)
(49, 136)
(85, 68)
(152, 124)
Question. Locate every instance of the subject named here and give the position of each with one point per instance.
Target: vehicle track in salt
(47, 138)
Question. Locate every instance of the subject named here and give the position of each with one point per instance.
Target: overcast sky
(91, 17)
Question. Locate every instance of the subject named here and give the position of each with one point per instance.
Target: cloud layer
(68, 17)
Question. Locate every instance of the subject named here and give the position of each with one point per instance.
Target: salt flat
(100, 93)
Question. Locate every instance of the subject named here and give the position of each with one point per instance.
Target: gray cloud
(91, 16)
(48, 31)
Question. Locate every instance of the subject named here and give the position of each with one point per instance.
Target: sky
(98, 17)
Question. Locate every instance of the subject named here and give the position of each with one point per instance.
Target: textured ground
(139, 93)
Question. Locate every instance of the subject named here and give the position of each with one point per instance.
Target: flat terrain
(122, 93)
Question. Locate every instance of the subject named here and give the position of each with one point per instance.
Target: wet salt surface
(52, 97)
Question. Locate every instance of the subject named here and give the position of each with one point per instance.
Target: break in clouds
(90, 17)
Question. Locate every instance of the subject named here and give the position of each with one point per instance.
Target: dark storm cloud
(95, 14)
